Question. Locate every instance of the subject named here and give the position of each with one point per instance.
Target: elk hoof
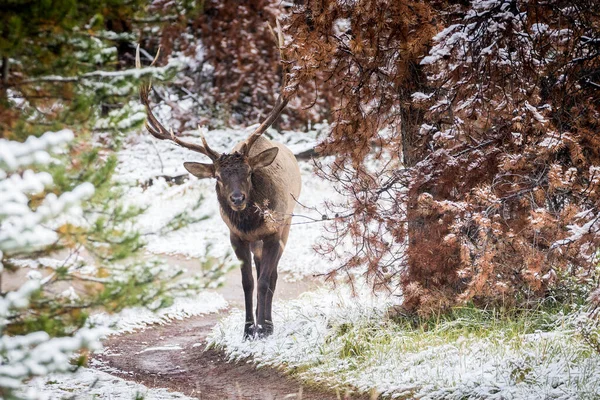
(269, 328)
(249, 330)
(262, 331)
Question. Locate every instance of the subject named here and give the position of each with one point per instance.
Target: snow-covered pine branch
(23, 229)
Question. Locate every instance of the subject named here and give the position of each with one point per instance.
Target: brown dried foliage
(364, 56)
(498, 193)
(516, 123)
(240, 71)
(238, 44)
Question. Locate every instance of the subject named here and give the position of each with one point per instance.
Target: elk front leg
(269, 303)
(272, 249)
(242, 252)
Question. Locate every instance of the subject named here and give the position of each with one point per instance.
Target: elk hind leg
(256, 248)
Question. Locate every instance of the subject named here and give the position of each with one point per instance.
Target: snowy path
(173, 356)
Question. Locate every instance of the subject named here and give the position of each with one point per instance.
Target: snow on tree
(25, 230)
(63, 254)
(511, 118)
(64, 63)
(484, 184)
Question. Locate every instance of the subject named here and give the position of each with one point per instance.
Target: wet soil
(181, 363)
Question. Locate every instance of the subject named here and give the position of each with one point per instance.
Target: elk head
(233, 172)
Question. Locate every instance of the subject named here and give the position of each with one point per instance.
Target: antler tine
(282, 99)
(215, 154)
(156, 129)
(273, 115)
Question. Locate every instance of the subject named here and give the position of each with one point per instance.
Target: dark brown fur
(251, 218)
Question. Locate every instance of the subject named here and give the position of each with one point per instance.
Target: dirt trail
(179, 361)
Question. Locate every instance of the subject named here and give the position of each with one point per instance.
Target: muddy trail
(173, 356)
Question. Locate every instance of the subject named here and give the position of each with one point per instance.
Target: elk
(257, 184)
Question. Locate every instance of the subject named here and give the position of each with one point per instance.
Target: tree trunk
(427, 254)
(4, 80)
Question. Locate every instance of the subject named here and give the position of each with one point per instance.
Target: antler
(156, 129)
(282, 99)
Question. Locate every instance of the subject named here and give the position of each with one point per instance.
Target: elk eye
(218, 178)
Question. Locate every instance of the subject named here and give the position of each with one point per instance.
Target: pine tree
(67, 250)
(67, 63)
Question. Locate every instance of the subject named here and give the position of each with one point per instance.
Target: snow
(88, 384)
(576, 232)
(36, 353)
(132, 319)
(22, 227)
(34, 150)
(539, 117)
(74, 262)
(161, 348)
(132, 73)
(420, 96)
(300, 326)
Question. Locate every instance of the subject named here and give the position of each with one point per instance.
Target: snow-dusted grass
(339, 341)
(145, 163)
(88, 384)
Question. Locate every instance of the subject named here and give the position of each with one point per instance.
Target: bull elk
(257, 184)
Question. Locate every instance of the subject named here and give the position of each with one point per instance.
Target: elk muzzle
(237, 200)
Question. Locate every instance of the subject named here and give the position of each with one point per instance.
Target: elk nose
(237, 198)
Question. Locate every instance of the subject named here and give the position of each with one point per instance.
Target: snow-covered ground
(145, 158)
(302, 326)
(335, 339)
(88, 384)
(132, 319)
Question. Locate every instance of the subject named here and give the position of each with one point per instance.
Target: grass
(468, 353)
(525, 335)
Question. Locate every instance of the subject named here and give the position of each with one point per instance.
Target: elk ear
(200, 170)
(264, 159)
